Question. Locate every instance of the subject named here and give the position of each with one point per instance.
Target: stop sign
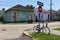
(40, 8)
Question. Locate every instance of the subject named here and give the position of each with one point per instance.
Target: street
(13, 31)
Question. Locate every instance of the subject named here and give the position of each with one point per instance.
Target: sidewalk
(55, 32)
(51, 31)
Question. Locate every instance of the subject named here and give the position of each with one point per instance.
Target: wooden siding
(20, 15)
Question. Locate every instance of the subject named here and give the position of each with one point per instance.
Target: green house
(18, 13)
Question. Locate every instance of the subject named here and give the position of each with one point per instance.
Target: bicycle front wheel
(46, 30)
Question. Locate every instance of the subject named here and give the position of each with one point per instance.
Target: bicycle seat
(37, 25)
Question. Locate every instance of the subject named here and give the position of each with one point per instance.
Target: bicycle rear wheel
(46, 30)
(35, 29)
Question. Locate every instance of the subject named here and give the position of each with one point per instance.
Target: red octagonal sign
(40, 8)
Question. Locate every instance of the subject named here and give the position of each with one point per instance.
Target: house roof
(46, 11)
(1, 11)
(57, 12)
(20, 7)
(43, 10)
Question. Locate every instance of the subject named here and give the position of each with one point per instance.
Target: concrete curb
(27, 34)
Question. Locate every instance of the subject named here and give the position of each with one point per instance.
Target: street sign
(40, 6)
(40, 3)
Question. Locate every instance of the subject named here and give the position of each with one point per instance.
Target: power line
(4, 5)
(2, 2)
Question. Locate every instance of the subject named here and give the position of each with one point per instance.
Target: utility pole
(50, 10)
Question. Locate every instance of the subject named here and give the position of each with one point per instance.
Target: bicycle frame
(38, 26)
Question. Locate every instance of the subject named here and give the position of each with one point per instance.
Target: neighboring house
(1, 13)
(44, 15)
(18, 13)
(56, 15)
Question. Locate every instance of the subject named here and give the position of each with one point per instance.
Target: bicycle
(44, 29)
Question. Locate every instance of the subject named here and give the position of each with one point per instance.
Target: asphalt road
(14, 31)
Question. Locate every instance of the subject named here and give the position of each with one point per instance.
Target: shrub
(1, 19)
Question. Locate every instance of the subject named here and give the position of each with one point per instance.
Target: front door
(14, 16)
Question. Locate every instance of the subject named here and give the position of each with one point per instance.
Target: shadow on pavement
(22, 37)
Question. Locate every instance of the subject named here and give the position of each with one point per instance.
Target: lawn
(58, 29)
(45, 37)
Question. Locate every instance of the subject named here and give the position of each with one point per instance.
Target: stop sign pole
(39, 10)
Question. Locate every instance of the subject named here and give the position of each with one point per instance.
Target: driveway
(14, 31)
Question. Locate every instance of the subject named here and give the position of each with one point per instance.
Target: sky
(10, 3)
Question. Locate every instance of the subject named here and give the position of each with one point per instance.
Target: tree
(58, 9)
(30, 6)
